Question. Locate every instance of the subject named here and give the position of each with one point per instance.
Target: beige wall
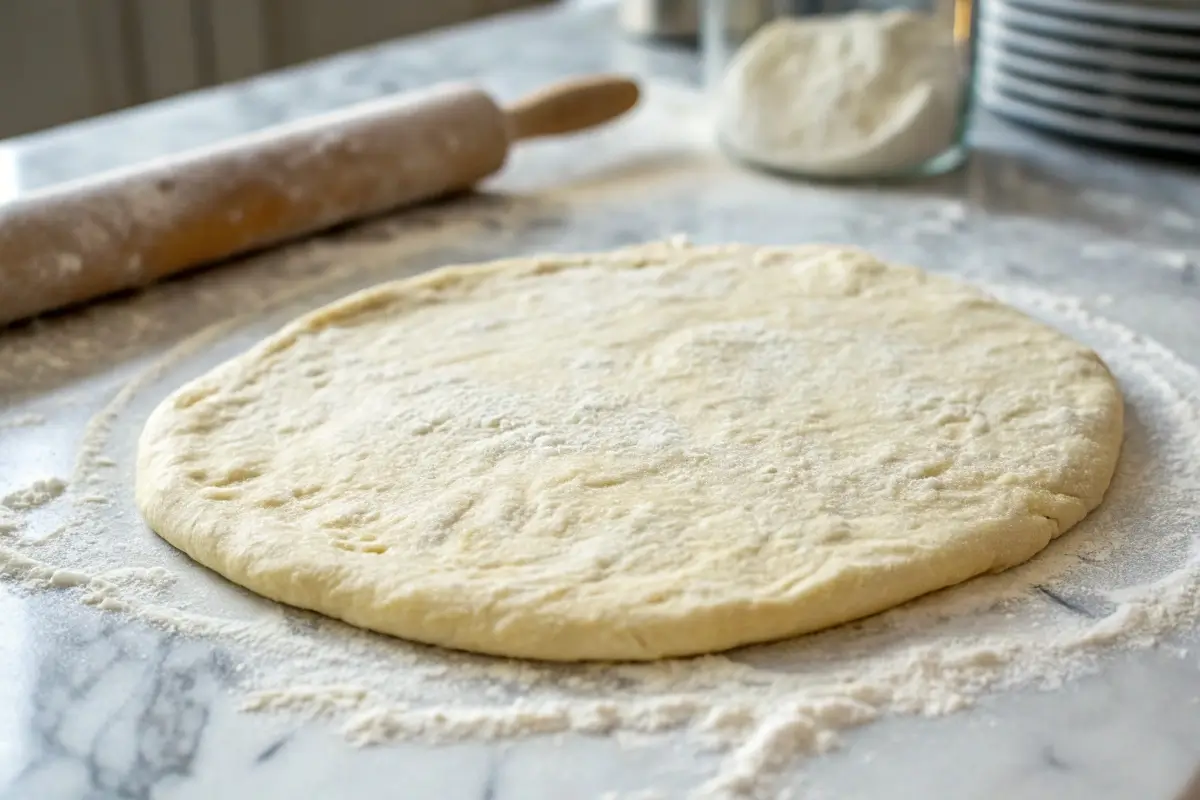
(77, 58)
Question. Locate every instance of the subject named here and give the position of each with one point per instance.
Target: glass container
(841, 89)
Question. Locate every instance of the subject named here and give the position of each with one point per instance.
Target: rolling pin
(128, 228)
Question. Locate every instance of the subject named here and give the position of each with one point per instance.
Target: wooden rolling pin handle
(571, 105)
(126, 229)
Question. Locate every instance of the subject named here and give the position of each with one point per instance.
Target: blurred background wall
(62, 60)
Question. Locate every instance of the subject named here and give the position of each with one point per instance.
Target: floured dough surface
(657, 451)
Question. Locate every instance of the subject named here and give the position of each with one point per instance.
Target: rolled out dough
(651, 452)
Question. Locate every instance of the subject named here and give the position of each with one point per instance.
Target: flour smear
(1126, 577)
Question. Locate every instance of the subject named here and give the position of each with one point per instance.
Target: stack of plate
(1118, 72)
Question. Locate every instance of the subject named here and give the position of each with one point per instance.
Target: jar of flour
(842, 89)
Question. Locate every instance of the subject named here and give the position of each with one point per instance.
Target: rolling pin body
(126, 229)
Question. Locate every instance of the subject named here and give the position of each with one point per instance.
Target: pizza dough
(652, 452)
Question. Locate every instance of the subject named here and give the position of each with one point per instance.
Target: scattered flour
(313, 702)
(9, 521)
(66, 578)
(856, 95)
(22, 421)
(1183, 261)
(38, 493)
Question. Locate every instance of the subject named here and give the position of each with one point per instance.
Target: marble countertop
(100, 705)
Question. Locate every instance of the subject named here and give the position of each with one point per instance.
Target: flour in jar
(851, 95)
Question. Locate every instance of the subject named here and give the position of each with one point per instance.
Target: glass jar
(841, 89)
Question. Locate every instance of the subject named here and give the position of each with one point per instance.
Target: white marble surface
(96, 705)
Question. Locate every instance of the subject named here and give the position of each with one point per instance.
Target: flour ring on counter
(652, 452)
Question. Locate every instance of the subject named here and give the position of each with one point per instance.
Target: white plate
(994, 32)
(1102, 105)
(1104, 130)
(1145, 14)
(1097, 80)
(1014, 14)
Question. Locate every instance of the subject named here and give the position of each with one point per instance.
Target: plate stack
(1125, 73)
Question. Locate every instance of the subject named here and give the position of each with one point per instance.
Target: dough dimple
(658, 451)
